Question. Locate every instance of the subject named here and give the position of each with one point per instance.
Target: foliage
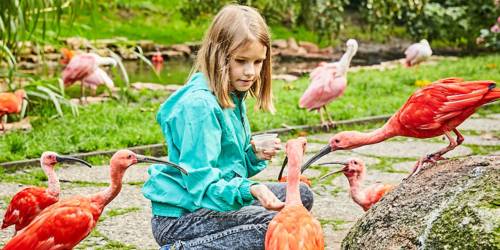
(490, 38)
(324, 17)
(382, 14)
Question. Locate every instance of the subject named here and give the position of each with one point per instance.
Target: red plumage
(26, 205)
(434, 110)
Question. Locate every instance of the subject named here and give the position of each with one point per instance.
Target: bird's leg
(330, 120)
(324, 124)
(2, 122)
(434, 157)
(82, 91)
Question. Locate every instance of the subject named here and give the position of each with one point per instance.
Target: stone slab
(136, 173)
(481, 125)
(415, 149)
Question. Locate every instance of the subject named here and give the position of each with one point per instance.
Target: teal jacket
(212, 144)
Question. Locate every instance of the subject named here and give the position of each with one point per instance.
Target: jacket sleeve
(255, 165)
(197, 135)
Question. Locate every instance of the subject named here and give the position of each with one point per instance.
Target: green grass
(115, 125)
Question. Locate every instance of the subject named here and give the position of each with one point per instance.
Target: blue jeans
(207, 229)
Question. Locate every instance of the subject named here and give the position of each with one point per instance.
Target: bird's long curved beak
(285, 161)
(68, 158)
(143, 158)
(334, 172)
(326, 150)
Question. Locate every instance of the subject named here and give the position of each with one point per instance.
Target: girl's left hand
(267, 154)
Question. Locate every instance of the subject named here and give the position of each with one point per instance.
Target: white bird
(417, 53)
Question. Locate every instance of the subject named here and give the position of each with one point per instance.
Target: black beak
(143, 158)
(69, 159)
(285, 161)
(326, 150)
(334, 172)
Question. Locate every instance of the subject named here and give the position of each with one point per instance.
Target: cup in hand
(264, 141)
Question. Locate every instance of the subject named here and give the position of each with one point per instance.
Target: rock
(181, 48)
(280, 44)
(450, 205)
(310, 47)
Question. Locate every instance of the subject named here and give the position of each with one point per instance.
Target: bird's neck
(53, 186)
(355, 190)
(345, 60)
(104, 197)
(375, 136)
(293, 182)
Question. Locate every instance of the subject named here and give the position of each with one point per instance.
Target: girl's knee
(307, 196)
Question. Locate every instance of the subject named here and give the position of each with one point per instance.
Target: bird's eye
(129, 156)
(355, 162)
(337, 141)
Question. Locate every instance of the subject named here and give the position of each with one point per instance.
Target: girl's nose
(249, 69)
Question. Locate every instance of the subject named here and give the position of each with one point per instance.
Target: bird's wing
(411, 53)
(9, 103)
(320, 91)
(25, 205)
(79, 67)
(60, 226)
(434, 105)
(99, 76)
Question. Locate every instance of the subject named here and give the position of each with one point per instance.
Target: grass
(115, 125)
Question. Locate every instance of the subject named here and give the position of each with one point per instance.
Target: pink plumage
(85, 68)
(328, 82)
(417, 53)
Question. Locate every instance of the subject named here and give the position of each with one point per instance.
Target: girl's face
(245, 65)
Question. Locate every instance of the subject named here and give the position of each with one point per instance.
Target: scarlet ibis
(417, 53)
(85, 68)
(64, 224)
(431, 111)
(282, 178)
(328, 82)
(29, 202)
(355, 170)
(12, 103)
(294, 227)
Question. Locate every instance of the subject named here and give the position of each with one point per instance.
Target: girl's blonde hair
(232, 27)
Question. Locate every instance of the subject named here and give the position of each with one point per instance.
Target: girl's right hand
(266, 198)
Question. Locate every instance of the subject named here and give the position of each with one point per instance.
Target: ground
(126, 221)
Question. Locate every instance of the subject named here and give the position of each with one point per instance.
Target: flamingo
(431, 111)
(29, 202)
(294, 227)
(417, 53)
(64, 224)
(157, 60)
(355, 170)
(328, 82)
(85, 68)
(12, 103)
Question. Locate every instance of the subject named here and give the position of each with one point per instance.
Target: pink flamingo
(355, 170)
(29, 202)
(294, 227)
(431, 111)
(85, 68)
(66, 223)
(328, 82)
(417, 53)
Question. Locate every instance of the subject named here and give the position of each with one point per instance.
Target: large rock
(451, 205)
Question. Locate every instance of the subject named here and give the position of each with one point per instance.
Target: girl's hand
(266, 198)
(267, 154)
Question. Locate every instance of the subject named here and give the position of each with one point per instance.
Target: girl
(204, 123)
